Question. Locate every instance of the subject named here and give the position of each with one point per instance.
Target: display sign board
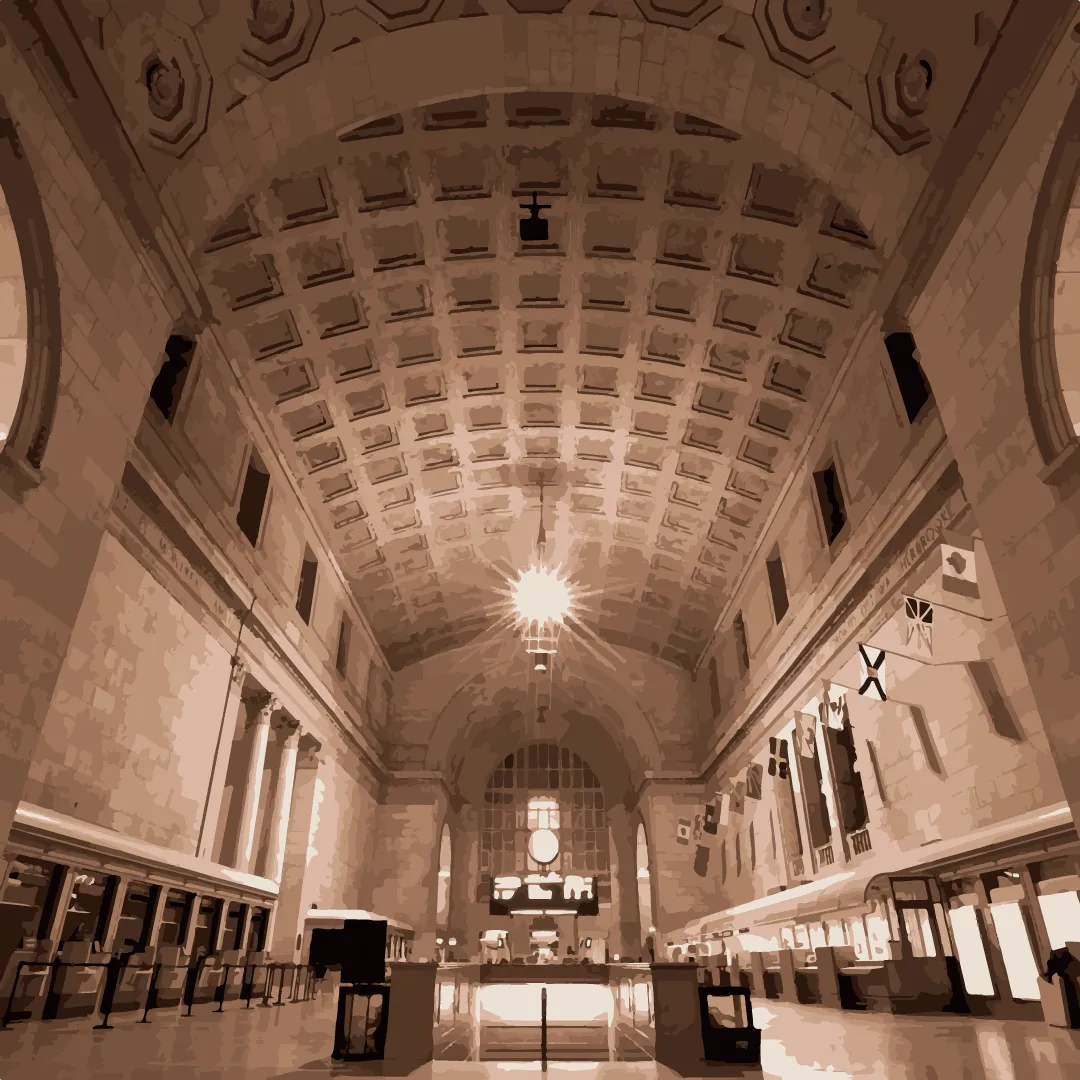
(544, 894)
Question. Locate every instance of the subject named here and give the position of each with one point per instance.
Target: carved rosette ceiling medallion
(166, 81)
(400, 14)
(685, 14)
(280, 34)
(901, 84)
(799, 34)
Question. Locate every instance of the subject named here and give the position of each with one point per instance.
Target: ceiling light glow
(541, 594)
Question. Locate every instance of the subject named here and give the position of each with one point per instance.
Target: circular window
(543, 846)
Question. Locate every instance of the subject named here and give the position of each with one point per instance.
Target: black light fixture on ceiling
(533, 228)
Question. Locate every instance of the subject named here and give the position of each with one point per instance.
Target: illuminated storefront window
(970, 951)
(1016, 951)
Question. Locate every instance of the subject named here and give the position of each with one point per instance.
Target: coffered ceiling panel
(658, 360)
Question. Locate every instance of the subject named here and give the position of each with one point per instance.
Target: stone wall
(113, 324)
(403, 875)
(967, 326)
(129, 737)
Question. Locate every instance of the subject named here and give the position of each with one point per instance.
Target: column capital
(311, 752)
(266, 706)
(290, 729)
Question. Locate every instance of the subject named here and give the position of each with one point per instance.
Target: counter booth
(88, 928)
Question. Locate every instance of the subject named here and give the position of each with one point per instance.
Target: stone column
(295, 888)
(234, 702)
(281, 803)
(623, 833)
(253, 785)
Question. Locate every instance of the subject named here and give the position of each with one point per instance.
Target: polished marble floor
(293, 1043)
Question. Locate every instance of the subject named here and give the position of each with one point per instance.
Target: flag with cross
(872, 684)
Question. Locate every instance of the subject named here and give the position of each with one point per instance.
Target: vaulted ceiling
(658, 361)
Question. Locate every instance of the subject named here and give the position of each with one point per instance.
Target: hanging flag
(701, 861)
(753, 781)
(736, 798)
(804, 734)
(711, 819)
(682, 832)
(723, 803)
(699, 823)
(835, 707)
(778, 758)
(919, 615)
(873, 674)
(958, 565)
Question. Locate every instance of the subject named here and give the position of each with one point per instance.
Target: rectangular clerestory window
(830, 501)
(774, 565)
(169, 382)
(910, 380)
(249, 515)
(742, 648)
(341, 662)
(305, 594)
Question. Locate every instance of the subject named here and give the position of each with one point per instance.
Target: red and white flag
(958, 565)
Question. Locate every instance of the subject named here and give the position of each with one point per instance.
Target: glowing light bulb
(542, 594)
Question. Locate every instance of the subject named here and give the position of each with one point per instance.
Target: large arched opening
(29, 310)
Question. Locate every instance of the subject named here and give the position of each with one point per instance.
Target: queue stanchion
(191, 982)
(112, 980)
(151, 995)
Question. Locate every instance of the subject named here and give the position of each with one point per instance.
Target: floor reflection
(293, 1043)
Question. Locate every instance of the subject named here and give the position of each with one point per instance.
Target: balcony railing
(825, 855)
(860, 842)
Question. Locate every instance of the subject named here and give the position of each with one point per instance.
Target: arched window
(442, 904)
(644, 884)
(545, 783)
(1050, 306)
(29, 310)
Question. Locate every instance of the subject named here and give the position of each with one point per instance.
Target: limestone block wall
(403, 874)
(345, 837)
(129, 738)
(679, 893)
(113, 323)
(967, 326)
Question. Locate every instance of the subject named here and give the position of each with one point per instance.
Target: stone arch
(1049, 331)
(275, 129)
(480, 704)
(29, 308)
